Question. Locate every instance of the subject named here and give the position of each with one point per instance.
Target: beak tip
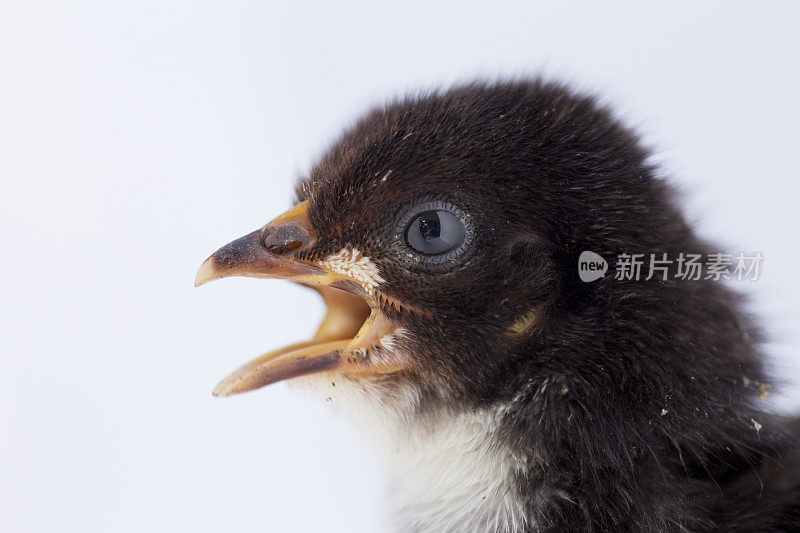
(223, 390)
(207, 272)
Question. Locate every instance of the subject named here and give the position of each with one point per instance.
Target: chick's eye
(436, 231)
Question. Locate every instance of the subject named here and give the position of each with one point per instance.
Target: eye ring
(451, 232)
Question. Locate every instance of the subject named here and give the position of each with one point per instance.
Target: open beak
(355, 336)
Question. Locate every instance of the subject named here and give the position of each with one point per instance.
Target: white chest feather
(449, 472)
(453, 476)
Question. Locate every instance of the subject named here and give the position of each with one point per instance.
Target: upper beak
(264, 253)
(354, 335)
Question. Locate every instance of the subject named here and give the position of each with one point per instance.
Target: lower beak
(354, 338)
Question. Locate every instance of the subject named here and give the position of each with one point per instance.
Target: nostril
(283, 239)
(280, 249)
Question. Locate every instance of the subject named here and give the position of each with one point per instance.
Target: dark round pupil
(429, 226)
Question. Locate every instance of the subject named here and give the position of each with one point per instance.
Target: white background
(137, 137)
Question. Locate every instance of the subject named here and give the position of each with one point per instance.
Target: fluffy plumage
(625, 405)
